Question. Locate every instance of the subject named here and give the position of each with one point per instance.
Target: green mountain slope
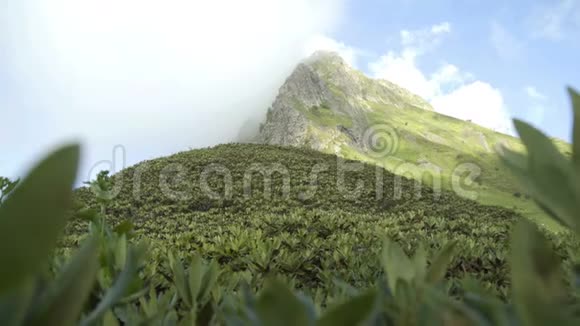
(328, 106)
(320, 229)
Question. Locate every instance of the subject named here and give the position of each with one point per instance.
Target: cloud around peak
(449, 89)
(324, 43)
(155, 76)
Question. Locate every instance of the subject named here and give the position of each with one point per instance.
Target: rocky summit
(324, 91)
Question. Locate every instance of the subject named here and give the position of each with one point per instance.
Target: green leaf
(87, 214)
(478, 299)
(536, 278)
(558, 193)
(150, 307)
(440, 264)
(102, 195)
(209, 280)
(125, 227)
(64, 303)
(575, 98)
(406, 294)
(516, 161)
(539, 146)
(518, 164)
(14, 304)
(121, 252)
(170, 319)
(420, 262)
(195, 277)
(278, 306)
(353, 312)
(34, 215)
(549, 177)
(179, 279)
(451, 311)
(396, 264)
(118, 290)
(109, 319)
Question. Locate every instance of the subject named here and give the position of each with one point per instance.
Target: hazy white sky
(156, 76)
(161, 76)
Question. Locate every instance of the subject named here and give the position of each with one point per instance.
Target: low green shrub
(313, 236)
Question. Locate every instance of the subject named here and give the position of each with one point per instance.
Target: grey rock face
(286, 124)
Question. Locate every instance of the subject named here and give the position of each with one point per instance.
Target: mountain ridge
(331, 107)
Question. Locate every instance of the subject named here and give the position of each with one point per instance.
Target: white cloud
(155, 76)
(321, 42)
(447, 78)
(534, 94)
(401, 69)
(477, 101)
(450, 90)
(423, 40)
(556, 21)
(444, 27)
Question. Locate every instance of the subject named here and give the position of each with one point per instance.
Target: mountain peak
(325, 91)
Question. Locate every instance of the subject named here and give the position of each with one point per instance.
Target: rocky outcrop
(286, 124)
(325, 80)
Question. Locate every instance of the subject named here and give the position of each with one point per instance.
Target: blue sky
(157, 77)
(526, 50)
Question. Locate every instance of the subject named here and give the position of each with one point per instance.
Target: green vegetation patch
(310, 237)
(325, 116)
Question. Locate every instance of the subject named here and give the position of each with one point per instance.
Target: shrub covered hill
(323, 184)
(316, 218)
(327, 105)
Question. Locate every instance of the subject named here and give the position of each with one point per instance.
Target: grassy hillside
(430, 140)
(312, 240)
(420, 143)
